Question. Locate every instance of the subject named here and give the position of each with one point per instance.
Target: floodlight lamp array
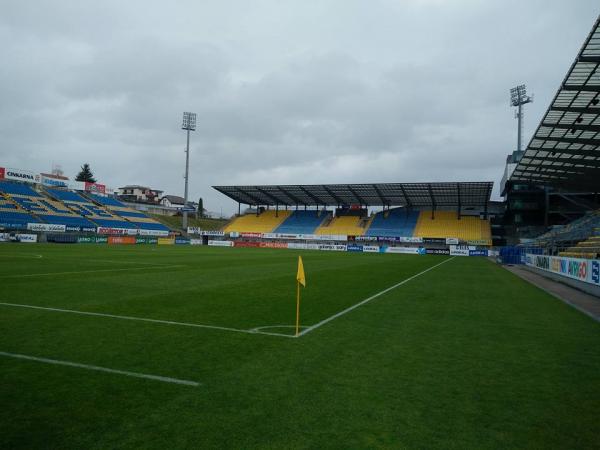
(189, 121)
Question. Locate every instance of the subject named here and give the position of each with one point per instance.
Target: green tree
(85, 174)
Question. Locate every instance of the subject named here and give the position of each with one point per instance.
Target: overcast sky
(285, 91)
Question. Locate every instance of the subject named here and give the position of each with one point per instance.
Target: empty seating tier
(17, 189)
(302, 222)
(344, 225)
(265, 222)
(137, 218)
(394, 222)
(446, 224)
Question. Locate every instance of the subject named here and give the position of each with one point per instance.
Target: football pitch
(193, 347)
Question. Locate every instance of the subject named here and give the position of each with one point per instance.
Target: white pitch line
(367, 300)
(47, 274)
(6, 255)
(144, 319)
(100, 369)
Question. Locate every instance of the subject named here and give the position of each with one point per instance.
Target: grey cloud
(332, 91)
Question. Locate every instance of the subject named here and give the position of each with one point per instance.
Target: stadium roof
(565, 147)
(376, 194)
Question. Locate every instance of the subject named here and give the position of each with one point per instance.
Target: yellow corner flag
(300, 276)
(300, 280)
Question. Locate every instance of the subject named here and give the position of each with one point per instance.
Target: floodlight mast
(518, 98)
(189, 124)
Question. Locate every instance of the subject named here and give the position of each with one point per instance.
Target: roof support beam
(577, 109)
(330, 192)
(569, 140)
(581, 88)
(406, 199)
(310, 194)
(360, 199)
(575, 126)
(432, 201)
(458, 194)
(277, 201)
(589, 59)
(384, 201)
(255, 200)
(294, 198)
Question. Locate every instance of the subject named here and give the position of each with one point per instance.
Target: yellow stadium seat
(446, 224)
(345, 225)
(265, 222)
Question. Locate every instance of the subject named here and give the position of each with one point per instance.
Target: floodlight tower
(518, 98)
(189, 124)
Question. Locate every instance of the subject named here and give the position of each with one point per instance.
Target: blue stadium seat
(17, 189)
(107, 201)
(73, 221)
(395, 222)
(68, 196)
(131, 214)
(9, 219)
(114, 223)
(150, 226)
(301, 222)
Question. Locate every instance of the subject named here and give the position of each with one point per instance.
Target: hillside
(174, 222)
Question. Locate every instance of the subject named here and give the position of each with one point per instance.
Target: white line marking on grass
(20, 256)
(367, 300)
(100, 369)
(143, 319)
(74, 272)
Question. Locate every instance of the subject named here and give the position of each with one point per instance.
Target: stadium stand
(302, 222)
(576, 230)
(588, 248)
(394, 222)
(91, 212)
(44, 209)
(139, 219)
(447, 224)
(265, 222)
(348, 225)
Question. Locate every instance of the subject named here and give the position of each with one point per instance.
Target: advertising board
(195, 241)
(273, 245)
(162, 233)
(475, 252)
(437, 251)
(117, 231)
(21, 175)
(365, 238)
(405, 250)
(165, 241)
(53, 182)
(452, 241)
(27, 238)
(459, 250)
(47, 227)
(198, 231)
(354, 248)
(370, 248)
(95, 188)
(434, 240)
(586, 270)
(332, 247)
(121, 240)
(251, 235)
(219, 243)
(182, 241)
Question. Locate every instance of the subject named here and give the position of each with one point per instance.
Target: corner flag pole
(297, 307)
(300, 280)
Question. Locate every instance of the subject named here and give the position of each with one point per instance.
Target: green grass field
(465, 355)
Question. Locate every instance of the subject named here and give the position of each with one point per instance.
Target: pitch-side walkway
(586, 303)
